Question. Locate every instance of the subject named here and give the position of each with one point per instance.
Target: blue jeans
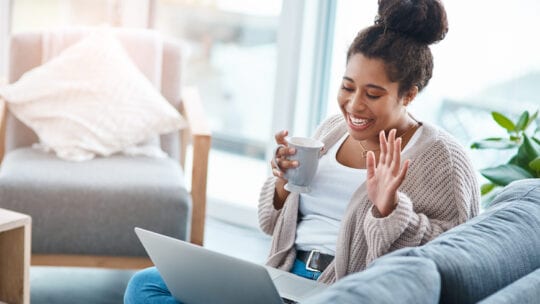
(147, 286)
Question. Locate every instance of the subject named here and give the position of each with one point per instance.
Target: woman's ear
(410, 95)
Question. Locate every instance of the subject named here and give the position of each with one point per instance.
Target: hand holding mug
(280, 161)
(296, 160)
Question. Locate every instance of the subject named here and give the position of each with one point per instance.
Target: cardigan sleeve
(268, 215)
(445, 193)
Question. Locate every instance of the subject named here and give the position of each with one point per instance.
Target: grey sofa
(493, 258)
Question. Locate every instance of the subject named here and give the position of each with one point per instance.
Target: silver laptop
(195, 275)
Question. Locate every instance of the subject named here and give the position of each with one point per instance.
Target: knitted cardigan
(439, 192)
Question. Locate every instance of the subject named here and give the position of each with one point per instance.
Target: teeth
(358, 121)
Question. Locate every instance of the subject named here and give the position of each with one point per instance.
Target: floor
(242, 242)
(59, 285)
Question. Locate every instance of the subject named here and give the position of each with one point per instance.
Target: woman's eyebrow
(375, 87)
(372, 86)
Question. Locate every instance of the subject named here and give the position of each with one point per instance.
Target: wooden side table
(15, 233)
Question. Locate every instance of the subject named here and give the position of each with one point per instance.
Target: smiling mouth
(359, 122)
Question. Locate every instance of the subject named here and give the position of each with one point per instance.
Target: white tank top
(322, 209)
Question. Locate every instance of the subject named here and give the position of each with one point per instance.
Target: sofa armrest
(199, 135)
(524, 290)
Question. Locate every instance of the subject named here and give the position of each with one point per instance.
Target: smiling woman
(414, 183)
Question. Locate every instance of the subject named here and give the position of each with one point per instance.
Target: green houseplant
(525, 163)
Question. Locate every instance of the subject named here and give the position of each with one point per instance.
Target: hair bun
(423, 20)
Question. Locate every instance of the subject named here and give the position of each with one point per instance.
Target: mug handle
(274, 161)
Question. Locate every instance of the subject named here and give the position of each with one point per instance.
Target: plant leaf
(503, 121)
(531, 119)
(504, 174)
(522, 121)
(528, 151)
(535, 165)
(515, 139)
(494, 143)
(486, 188)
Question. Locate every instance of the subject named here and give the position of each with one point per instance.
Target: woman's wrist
(389, 207)
(280, 194)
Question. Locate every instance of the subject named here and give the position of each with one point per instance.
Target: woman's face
(369, 100)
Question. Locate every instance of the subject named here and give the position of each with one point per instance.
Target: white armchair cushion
(91, 100)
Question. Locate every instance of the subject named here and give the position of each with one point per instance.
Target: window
(231, 56)
(488, 61)
(34, 15)
(231, 50)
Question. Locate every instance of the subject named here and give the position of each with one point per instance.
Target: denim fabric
(489, 252)
(392, 280)
(523, 291)
(147, 286)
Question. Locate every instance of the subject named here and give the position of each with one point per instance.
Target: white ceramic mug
(308, 152)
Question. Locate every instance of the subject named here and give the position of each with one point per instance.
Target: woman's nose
(357, 102)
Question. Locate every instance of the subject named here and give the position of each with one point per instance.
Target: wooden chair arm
(3, 112)
(199, 134)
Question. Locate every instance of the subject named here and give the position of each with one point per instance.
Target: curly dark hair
(401, 36)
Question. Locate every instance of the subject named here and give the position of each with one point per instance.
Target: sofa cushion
(524, 291)
(67, 201)
(393, 280)
(489, 252)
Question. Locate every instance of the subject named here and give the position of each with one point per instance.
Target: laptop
(195, 275)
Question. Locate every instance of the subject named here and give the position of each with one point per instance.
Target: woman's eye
(372, 96)
(347, 89)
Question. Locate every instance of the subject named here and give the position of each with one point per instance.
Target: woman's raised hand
(280, 161)
(385, 177)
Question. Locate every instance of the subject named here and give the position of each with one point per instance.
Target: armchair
(84, 213)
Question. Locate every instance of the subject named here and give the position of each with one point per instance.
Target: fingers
(396, 162)
(280, 162)
(387, 146)
(403, 172)
(390, 151)
(370, 164)
(285, 152)
(383, 147)
(285, 164)
(280, 137)
(390, 146)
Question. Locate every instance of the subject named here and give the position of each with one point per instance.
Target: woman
(364, 202)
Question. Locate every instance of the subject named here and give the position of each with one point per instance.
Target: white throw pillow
(91, 100)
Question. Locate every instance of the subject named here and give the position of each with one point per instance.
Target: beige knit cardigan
(439, 192)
